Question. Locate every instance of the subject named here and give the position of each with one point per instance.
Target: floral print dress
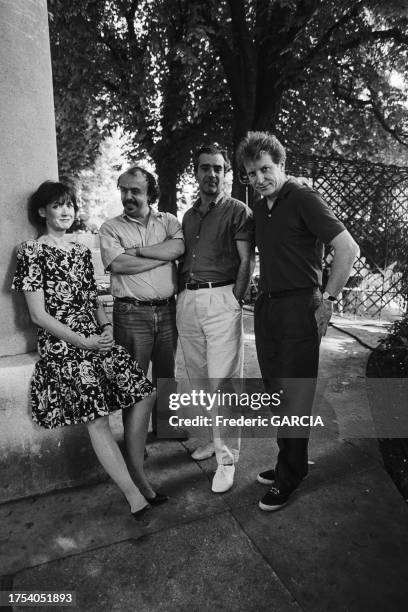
(72, 385)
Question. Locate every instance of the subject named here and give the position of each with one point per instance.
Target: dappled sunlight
(66, 544)
(374, 327)
(339, 345)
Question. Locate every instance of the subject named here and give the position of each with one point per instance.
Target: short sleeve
(174, 227)
(243, 224)
(28, 275)
(110, 244)
(318, 217)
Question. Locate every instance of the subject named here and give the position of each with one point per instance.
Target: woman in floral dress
(81, 376)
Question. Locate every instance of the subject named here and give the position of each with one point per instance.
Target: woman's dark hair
(48, 193)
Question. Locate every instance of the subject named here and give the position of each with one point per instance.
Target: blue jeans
(149, 333)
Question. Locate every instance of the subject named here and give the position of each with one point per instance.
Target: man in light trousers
(215, 274)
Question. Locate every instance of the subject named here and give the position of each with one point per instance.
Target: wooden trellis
(372, 201)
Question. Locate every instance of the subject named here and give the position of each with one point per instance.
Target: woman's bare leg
(136, 424)
(110, 457)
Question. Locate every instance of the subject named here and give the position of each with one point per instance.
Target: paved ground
(341, 545)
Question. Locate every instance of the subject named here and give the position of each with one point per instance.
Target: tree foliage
(311, 63)
(174, 73)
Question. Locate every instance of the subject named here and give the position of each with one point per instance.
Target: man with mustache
(292, 223)
(139, 248)
(215, 274)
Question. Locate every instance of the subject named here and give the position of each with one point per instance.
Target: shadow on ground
(340, 545)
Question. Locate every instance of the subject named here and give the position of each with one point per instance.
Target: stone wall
(32, 460)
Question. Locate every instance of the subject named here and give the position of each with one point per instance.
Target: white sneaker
(203, 452)
(223, 478)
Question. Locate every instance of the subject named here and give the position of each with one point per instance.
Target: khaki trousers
(209, 323)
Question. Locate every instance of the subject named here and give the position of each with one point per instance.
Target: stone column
(28, 152)
(32, 460)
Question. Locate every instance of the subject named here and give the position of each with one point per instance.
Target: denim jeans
(149, 333)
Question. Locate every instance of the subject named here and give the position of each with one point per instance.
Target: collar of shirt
(217, 200)
(286, 188)
(152, 213)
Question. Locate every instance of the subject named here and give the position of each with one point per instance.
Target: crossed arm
(142, 259)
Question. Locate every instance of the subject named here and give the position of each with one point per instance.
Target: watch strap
(102, 327)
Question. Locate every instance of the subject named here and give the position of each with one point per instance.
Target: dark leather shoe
(158, 499)
(139, 515)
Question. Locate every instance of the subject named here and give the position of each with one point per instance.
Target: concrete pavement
(341, 545)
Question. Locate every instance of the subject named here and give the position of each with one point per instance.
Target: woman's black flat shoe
(158, 499)
(139, 514)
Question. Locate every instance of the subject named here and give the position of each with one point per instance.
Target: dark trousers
(149, 333)
(287, 344)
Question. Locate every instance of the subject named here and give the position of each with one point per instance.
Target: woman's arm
(40, 317)
(100, 315)
(106, 325)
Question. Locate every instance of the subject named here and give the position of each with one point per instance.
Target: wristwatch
(105, 325)
(327, 296)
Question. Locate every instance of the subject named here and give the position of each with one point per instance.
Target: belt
(135, 302)
(193, 285)
(288, 292)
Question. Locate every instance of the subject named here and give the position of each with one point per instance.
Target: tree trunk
(246, 120)
(243, 123)
(168, 186)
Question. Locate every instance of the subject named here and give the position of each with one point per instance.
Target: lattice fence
(372, 201)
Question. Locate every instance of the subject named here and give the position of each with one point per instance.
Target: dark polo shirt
(290, 238)
(211, 251)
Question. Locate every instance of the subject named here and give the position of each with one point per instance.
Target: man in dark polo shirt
(215, 274)
(292, 223)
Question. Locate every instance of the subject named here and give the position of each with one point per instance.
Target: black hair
(211, 149)
(48, 193)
